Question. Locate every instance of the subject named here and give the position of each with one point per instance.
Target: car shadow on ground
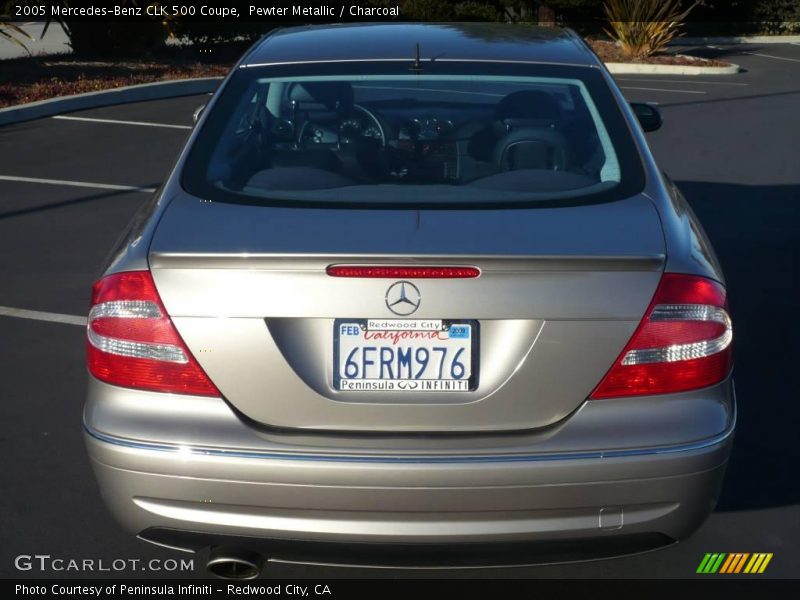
(720, 52)
(756, 233)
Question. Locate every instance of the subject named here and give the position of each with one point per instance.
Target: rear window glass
(408, 138)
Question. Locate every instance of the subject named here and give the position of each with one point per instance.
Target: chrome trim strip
(410, 528)
(167, 546)
(408, 60)
(186, 451)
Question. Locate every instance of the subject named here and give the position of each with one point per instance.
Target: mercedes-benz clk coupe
(412, 294)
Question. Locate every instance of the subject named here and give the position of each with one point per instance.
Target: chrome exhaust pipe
(235, 563)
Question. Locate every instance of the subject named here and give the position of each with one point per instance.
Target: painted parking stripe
(648, 89)
(119, 122)
(82, 184)
(797, 60)
(687, 81)
(38, 315)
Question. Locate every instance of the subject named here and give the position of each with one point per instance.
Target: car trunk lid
(559, 294)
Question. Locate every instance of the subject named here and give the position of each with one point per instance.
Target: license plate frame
(474, 344)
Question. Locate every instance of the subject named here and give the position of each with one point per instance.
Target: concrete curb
(736, 39)
(646, 69)
(123, 95)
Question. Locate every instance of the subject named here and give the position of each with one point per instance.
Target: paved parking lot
(68, 187)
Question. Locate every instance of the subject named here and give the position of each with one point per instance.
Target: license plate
(402, 355)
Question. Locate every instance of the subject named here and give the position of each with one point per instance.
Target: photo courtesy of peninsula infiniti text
(412, 294)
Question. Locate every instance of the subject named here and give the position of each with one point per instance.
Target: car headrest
(528, 104)
(323, 95)
(531, 148)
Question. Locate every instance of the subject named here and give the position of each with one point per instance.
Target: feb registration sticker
(405, 355)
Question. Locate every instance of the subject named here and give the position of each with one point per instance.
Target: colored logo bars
(733, 563)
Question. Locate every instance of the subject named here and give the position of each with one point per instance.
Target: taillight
(132, 342)
(683, 342)
(399, 272)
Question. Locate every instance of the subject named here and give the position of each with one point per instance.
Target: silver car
(412, 294)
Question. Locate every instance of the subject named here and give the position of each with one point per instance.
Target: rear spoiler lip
(486, 263)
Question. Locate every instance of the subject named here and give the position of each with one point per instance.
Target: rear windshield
(450, 135)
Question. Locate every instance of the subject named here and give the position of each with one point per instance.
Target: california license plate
(403, 355)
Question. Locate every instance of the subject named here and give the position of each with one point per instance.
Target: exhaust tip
(235, 563)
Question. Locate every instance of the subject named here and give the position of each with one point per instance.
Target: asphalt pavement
(69, 186)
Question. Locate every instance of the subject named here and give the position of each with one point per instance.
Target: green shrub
(204, 33)
(9, 31)
(426, 10)
(777, 16)
(87, 37)
(476, 11)
(443, 10)
(644, 27)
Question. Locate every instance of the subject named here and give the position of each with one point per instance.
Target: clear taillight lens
(132, 342)
(683, 342)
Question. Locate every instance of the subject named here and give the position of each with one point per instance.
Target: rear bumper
(537, 493)
(415, 503)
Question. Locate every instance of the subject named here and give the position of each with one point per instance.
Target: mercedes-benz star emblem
(403, 298)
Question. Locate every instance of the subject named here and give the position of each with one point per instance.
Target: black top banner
(197, 10)
(769, 13)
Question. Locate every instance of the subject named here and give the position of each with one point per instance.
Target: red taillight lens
(397, 272)
(683, 342)
(131, 341)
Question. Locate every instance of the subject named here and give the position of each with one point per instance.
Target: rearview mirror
(197, 112)
(649, 116)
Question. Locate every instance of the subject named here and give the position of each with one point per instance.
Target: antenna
(417, 66)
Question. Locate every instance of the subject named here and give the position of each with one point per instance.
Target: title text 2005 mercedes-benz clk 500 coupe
(412, 294)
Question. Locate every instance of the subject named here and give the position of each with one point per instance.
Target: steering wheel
(371, 160)
(312, 133)
(375, 121)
